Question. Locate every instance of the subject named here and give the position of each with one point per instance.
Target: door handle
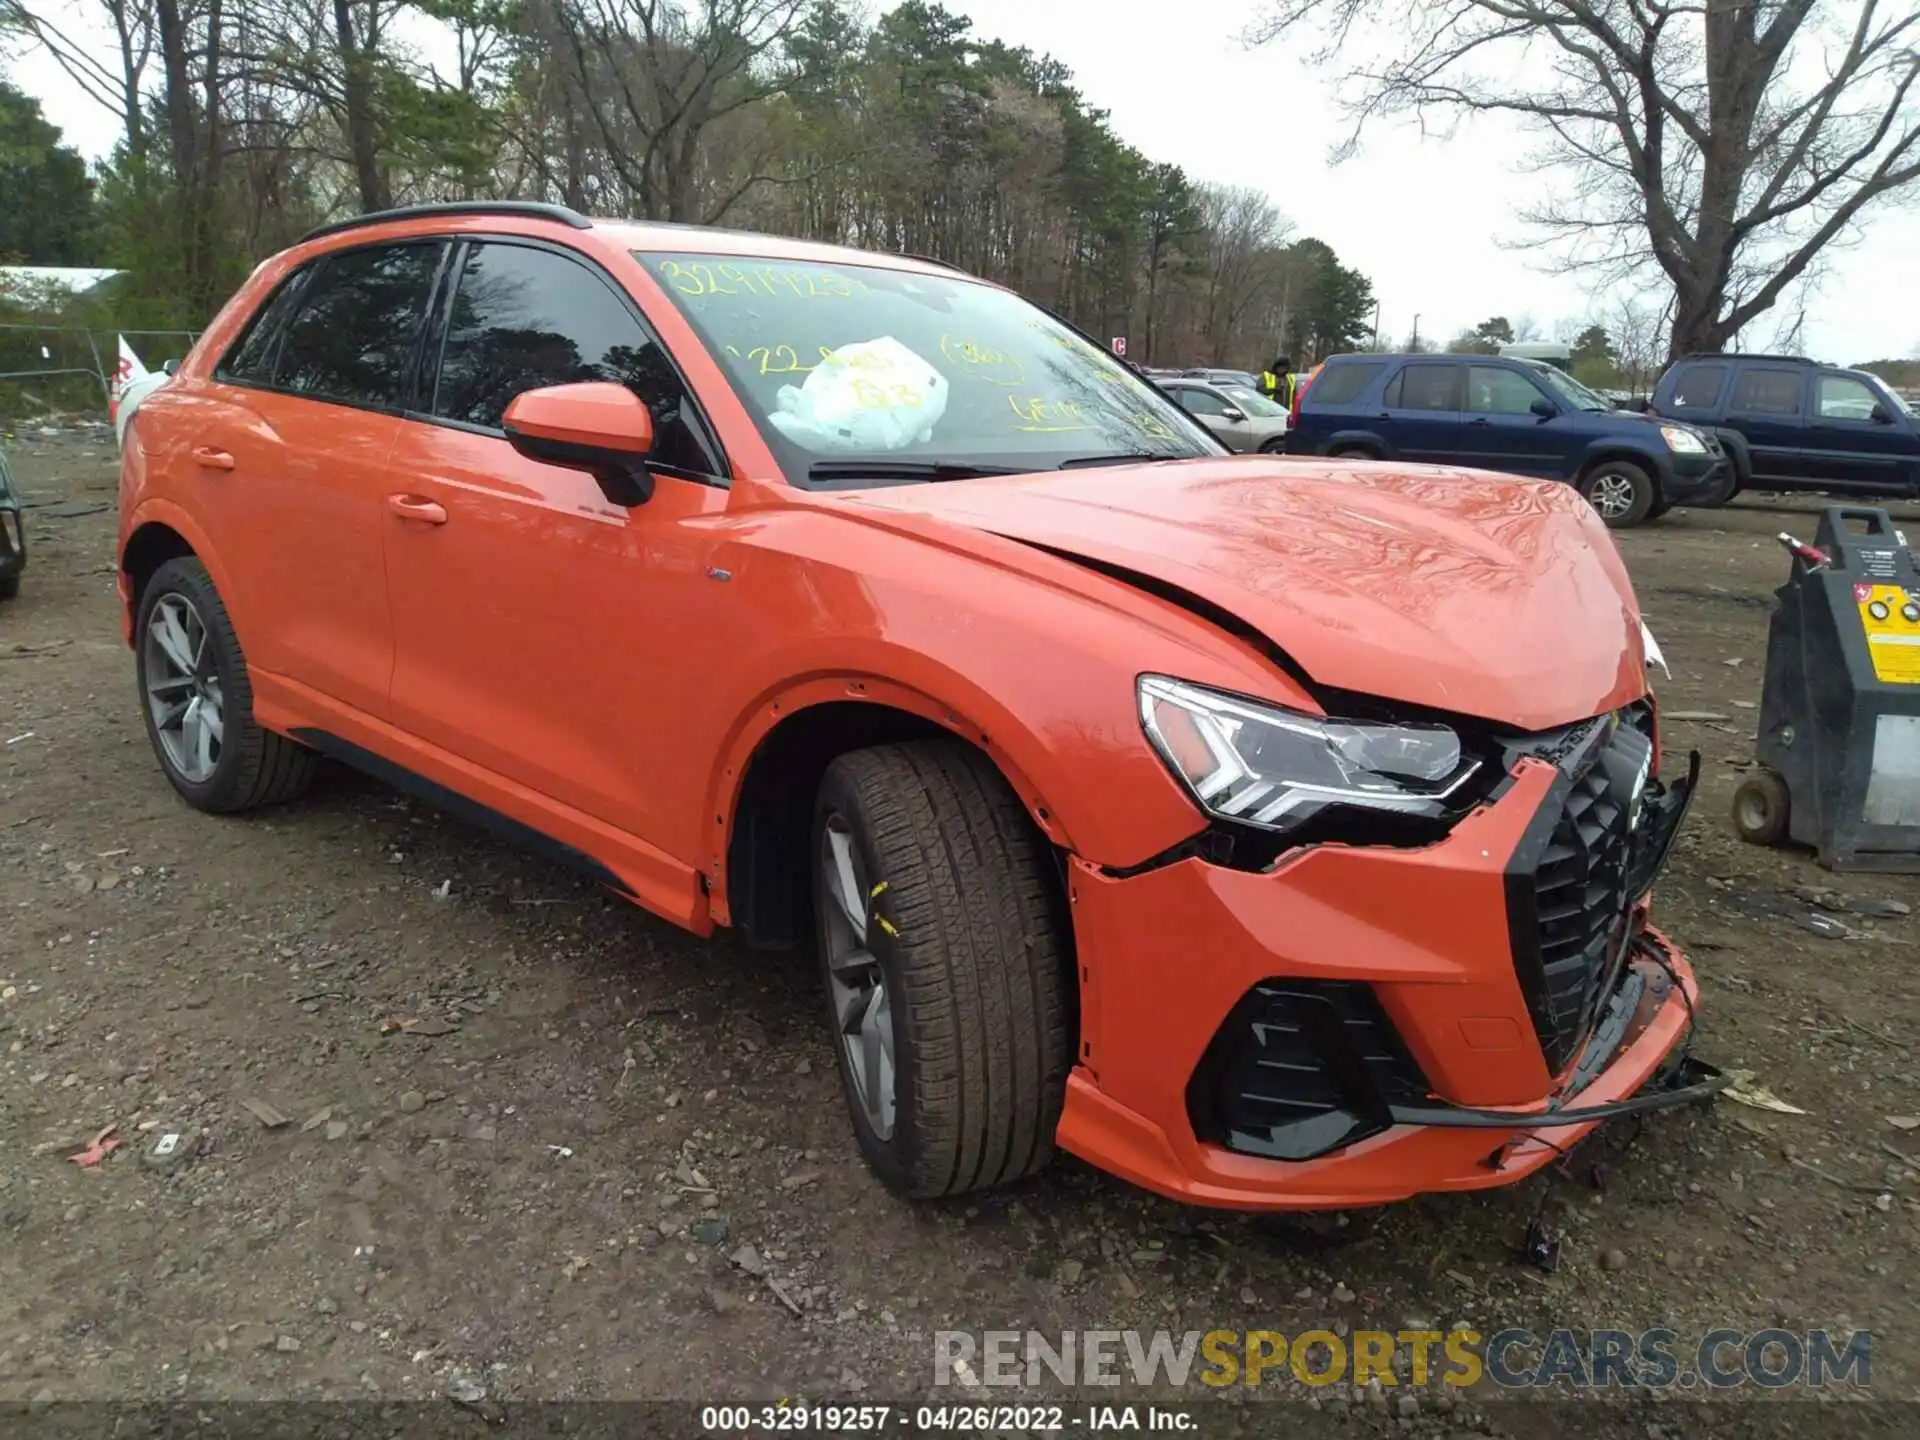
(416, 507)
(208, 458)
(1480, 420)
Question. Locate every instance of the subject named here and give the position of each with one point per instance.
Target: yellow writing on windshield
(698, 279)
(1036, 415)
(886, 397)
(990, 366)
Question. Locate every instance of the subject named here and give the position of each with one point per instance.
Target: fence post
(106, 390)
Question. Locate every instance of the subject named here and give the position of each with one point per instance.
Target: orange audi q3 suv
(1272, 833)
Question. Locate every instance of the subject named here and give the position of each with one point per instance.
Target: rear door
(1850, 449)
(292, 439)
(1767, 406)
(1499, 430)
(1420, 411)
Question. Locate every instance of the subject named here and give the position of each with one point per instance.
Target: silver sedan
(1242, 418)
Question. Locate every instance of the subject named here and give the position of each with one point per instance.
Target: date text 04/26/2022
(924, 1419)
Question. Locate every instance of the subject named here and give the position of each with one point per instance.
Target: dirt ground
(549, 1198)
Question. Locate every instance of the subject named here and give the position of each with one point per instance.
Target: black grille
(1567, 887)
(1301, 1067)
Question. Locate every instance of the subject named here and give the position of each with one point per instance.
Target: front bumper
(1689, 479)
(1437, 1024)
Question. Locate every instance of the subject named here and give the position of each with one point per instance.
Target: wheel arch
(159, 532)
(763, 795)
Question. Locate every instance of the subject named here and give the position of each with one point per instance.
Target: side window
(1430, 387)
(1492, 391)
(1841, 397)
(1698, 387)
(357, 334)
(250, 359)
(1344, 384)
(526, 318)
(1201, 402)
(1767, 392)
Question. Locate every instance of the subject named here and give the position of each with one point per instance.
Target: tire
(1620, 492)
(1275, 446)
(1352, 452)
(1740, 461)
(248, 766)
(964, 932)
(10, 586)
(1761, 808)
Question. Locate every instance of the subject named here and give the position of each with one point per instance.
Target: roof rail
(527, 209)
(1747, 355)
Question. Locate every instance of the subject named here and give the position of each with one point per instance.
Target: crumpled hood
(1438, 587)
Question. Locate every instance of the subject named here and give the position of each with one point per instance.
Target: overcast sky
(1423, 219)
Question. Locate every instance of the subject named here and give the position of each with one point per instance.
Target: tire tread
(981, 960)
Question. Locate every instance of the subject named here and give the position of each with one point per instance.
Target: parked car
(1239, 415)
(1790, 423)
(13, 534)
(1518, 416)
(1223, 377)
(1212, 818)
(131, 395)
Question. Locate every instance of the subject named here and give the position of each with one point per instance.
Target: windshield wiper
(1120, 457)
(904, 470)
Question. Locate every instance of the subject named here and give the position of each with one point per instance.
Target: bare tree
(660, 77)
(115, 85)
(1245, 232)
(1725, 143)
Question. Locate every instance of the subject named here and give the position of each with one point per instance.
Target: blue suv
(1788, 423)
(1491, 412)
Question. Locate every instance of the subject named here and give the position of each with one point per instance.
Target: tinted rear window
(1698, 387)
(251, 358)
(1343, 384)
(358, 329)
(1424, 387)
(1768, 392)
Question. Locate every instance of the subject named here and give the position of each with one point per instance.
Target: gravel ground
(609, 1161)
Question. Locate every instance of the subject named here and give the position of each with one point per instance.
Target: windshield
(1252, 401)
(854, 363)
(1570, 390)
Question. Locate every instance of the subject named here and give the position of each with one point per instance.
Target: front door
(1499, 430)
(1848, 447)
(1212, 410)
(1420, 411)
(307, 409)
(542, 632)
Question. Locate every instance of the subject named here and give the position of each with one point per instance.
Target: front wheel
(1761, 808)
(945, 960)
(1620, 492)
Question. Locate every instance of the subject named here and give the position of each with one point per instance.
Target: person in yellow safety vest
(1276, 382)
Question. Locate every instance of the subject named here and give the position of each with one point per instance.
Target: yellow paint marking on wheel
(887, 925)
(874, 894)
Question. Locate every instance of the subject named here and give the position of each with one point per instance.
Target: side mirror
(1544, 408)
(1231, 414)
(171, 367)
(595, 426)
(1881, 415)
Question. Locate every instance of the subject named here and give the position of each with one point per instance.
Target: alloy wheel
(857, 983)
(1611, 494)
(183, 688)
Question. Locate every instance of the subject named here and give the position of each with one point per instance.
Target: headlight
(1682, 442)
(1267, 767)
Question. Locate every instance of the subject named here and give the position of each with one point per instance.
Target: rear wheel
(1620, 492)
(10, 586)
(946, 967)
(1275, 446)
(1352, 452)
(198, 701)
